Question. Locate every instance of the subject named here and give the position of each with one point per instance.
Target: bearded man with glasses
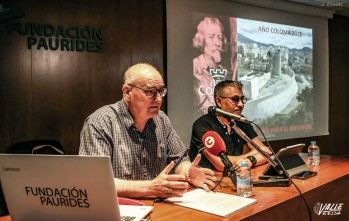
(228, 97)
(148, 158)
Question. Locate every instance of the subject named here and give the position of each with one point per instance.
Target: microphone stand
(277, 167)
(231, 173)
(227, 169)
(250, 141)
(232, 176)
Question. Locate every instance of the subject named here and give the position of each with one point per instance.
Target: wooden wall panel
(15, 89)
(48, 94)
(339, 79)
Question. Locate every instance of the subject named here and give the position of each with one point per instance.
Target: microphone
(215, 145)
(213, 110)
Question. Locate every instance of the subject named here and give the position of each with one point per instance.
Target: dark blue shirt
(234, 143)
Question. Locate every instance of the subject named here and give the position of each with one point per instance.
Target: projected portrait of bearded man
(215, 61)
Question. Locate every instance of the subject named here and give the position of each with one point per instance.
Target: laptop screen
(50, 187)
(290, 159)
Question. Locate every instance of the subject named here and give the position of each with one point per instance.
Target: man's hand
(200, 177)
(169, 185)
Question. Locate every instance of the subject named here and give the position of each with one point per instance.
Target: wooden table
(331, 185)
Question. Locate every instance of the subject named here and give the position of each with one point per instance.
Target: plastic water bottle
(313, 154)
(244, 180)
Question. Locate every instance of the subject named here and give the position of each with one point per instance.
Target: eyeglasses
(236, 99)
(152, 92)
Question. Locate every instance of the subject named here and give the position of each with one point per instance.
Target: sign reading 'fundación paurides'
(50, 37)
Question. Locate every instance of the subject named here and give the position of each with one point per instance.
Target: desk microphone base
(273, 183)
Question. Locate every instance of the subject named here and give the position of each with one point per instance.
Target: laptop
(56, 188)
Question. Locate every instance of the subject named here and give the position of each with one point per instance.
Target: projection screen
(280, 57)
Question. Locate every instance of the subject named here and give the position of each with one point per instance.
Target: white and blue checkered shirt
(110, 131)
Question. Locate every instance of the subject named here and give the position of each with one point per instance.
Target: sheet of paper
(220, 204)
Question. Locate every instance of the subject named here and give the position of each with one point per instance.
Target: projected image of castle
(275, 65)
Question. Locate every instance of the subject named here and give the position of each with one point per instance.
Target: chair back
(52, 147)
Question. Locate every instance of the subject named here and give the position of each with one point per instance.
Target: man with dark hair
(228, 97)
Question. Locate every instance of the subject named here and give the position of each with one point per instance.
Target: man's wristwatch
(253, 160)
